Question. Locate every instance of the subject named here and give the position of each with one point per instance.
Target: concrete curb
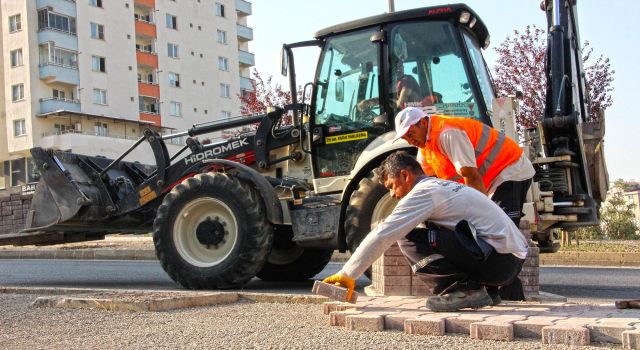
(146, 300)
(590, 259)
(630, 259)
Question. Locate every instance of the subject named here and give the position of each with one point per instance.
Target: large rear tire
(211, 232)
(291, 262)
(369, 203)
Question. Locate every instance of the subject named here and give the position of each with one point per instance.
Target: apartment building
(89, 76)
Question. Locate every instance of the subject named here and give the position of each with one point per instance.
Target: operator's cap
(405, 118)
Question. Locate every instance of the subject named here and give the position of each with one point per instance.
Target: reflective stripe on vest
(492, 154)
(484, 139)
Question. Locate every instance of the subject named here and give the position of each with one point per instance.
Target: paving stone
(577, 321)
(425, 325)
(608, 332)
(505, 318)
(396, 321)
(332, 291)
(338, 318)
(631, 339)
(365, 322)
(329, 307)
(532, 327)
(566, 334)
(491, 330)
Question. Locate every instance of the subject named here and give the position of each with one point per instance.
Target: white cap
(405, 118)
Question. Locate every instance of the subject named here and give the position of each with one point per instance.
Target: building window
(223, 63)
(19, 127)
(58, 94)
(17, 92)
(222, 36)
(173, 50)
(96, 3)
(15, 23)
(100, 96)
(51, 20)
(225, 90)
(219, 9)
(172, 21)
(225, 114)
(174, 79)
(176, 109)
(17, 172)
(98, 64)
(101, 129)
(97, 31)
(16, 58)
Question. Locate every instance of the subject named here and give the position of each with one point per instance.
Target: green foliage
(617, 214)
(589, 233)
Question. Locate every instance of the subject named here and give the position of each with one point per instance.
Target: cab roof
(433, 13)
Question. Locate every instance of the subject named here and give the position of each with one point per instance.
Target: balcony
(67, 8)
(145, 28)
(146, 58)
(65, 40)
(244, 33)
(245, 83)
(246, 58)
(150, 4)
(148, 89)
(243, 8)
(151, 117)
(52, 104)
(54, 73)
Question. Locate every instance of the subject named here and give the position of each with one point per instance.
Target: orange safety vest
(493, 150)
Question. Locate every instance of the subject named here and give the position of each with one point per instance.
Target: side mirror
(284, 61)
(339, 89)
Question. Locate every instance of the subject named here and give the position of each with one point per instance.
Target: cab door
(346, 107)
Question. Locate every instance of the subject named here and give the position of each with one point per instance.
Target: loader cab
(372, 68)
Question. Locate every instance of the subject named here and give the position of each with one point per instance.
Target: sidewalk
(140, 247)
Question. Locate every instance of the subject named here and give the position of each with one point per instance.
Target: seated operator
(469, 242)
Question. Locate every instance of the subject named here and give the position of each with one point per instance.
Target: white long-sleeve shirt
(444, 203)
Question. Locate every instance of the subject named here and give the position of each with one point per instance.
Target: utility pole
(391, 6)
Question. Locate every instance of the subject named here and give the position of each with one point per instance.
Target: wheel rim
(383, 208)
(190, 232)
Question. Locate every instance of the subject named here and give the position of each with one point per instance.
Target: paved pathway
(553, 323)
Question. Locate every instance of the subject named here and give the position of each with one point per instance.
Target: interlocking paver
(491, 330)
(631, 339)
(425, 325)
(364, 322)
(553, 323)
(566, 334)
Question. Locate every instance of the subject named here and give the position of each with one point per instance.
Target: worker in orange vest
(470, 152)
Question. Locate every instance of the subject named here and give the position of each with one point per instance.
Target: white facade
(93, 78)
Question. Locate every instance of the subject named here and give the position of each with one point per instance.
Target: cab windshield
(427, 70)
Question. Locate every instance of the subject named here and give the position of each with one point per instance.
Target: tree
(617, 214)
(264, 94)
(521, 66)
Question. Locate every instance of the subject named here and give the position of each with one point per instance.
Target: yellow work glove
(342, 281)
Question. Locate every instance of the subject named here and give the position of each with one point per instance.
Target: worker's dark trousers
(510, 196)
(444, 264)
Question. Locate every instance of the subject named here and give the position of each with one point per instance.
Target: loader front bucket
(57, 198)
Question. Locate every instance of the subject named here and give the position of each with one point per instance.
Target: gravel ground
(242, 325)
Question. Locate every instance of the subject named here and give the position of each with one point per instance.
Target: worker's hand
(342, 281)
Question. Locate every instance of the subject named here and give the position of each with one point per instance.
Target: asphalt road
(580, 284)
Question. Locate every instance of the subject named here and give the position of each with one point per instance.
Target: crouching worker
(466, 243)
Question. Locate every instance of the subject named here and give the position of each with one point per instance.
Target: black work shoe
(494, 293)
(459, 299)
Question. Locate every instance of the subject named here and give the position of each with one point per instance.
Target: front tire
(291, 262)
(211, 232)
(369, 203)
